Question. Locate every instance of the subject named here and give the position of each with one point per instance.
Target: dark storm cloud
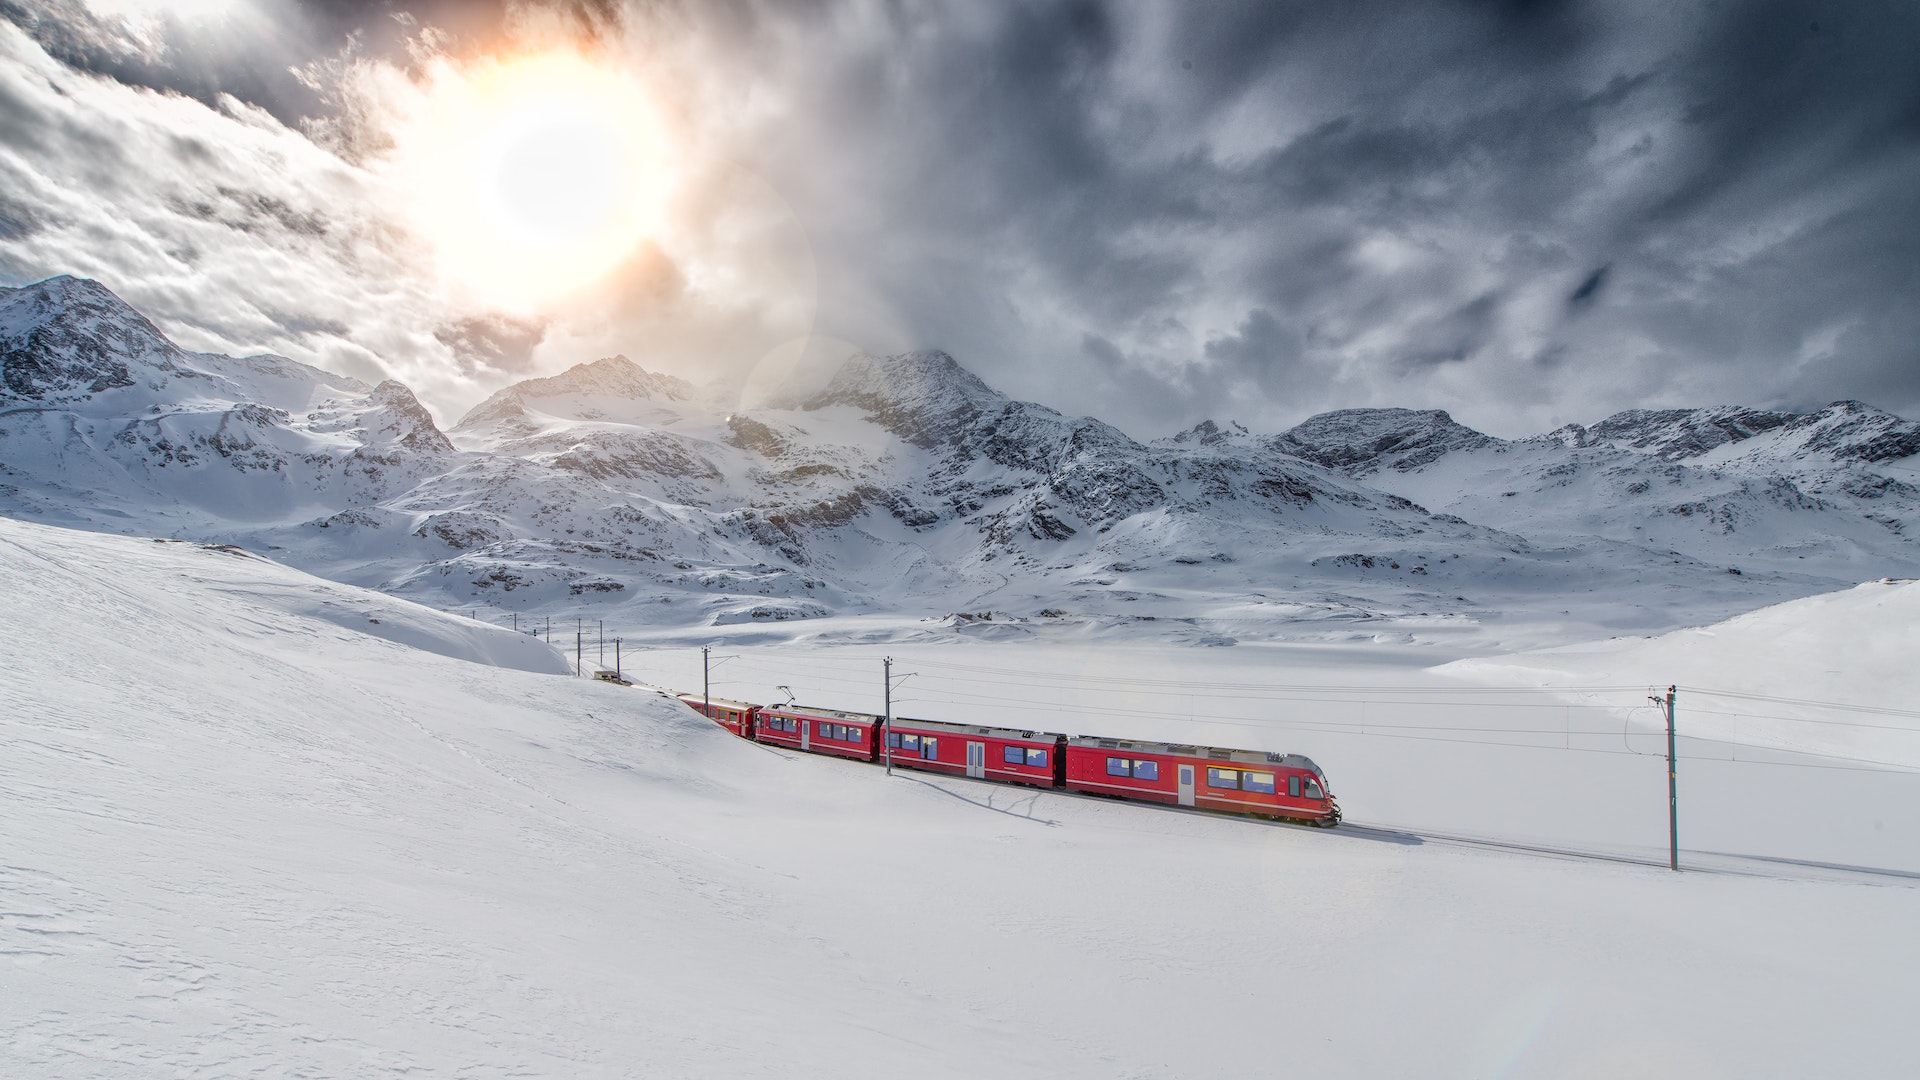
(1422, 195)
(1260, 345)
(265, 54)
(494, 342)
(1589, 289)
(183, 58)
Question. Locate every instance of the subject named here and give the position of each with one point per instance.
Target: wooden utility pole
(886, 724)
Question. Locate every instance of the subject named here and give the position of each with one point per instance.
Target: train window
(893, 739)
(1257, 781)
(911, 744)
(1013, 755)
(1037, 759)
(930, 748)
(1223, 778)
(1117, 766)
(1293, 786)
(1313, 789)
(1146, 770)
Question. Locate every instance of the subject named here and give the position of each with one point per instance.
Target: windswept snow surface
(1807, 675)
(242, 833)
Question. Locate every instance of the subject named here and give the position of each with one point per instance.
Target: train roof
(728, 703)
(910, 724)
(811, 712)
(1211, 753)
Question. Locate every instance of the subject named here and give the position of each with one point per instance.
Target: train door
(806, 734)
(977, 760)
(1186, 785)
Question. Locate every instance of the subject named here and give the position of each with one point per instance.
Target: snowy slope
(283, 846)
(1854, 648)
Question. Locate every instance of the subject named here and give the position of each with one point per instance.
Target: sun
(531, 177)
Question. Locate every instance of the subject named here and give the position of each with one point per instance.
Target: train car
(736, 716)
(987, 753)
(1209, 777)
(819, 731)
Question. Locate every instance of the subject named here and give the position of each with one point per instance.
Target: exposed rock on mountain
(1671, 434)
(1362, 441)
(67, 339)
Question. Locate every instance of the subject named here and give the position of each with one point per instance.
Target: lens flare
(531, 177)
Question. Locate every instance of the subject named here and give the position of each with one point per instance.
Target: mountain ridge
(907, 483)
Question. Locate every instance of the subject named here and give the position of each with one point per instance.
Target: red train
(1285, 786)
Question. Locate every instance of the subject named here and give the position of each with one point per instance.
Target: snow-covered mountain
(1752, 489)
(103, 419)
(906, 486)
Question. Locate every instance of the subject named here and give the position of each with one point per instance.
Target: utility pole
(548, 633)
(577, 643)
(602, 624)
(1673, 783)
(616, 659)
(706, 680)
(516, 622)
(886, 672)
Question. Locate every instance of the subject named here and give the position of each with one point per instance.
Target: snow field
(246, 836)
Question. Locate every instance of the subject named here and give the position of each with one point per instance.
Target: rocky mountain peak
(405, 421)
(1674, 434)
(1568, 436)
(613, 380)
(68, 338)
(924, 397)
(1858, 431)
(1360, 441)
(1208, 433)
(614, 376)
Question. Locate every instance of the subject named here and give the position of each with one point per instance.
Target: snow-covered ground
(247, 830)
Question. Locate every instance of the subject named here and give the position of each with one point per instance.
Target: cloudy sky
(1526, 212)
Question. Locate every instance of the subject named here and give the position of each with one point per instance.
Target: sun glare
(532, 177)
